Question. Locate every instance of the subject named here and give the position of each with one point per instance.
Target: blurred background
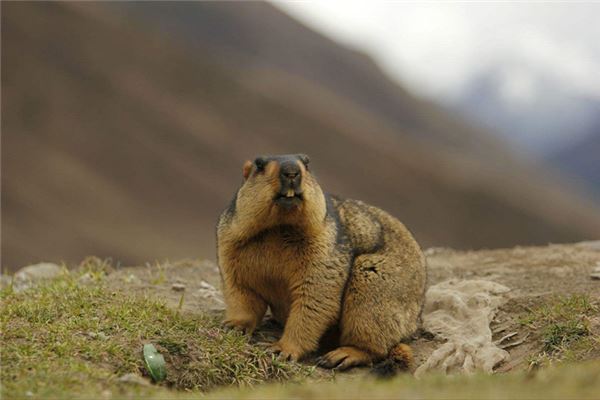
(125, 125)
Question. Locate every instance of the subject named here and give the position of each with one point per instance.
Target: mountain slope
(529, 107)
(258, 36)
(118, 141)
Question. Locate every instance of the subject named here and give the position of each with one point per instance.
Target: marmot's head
(280, 189)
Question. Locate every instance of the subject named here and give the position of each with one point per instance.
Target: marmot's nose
(289, 169)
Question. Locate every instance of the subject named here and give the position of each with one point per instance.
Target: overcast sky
(434, 48)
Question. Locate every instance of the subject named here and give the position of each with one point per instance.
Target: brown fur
(326, 264)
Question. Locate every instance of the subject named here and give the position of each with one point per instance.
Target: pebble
(28, 276)
(178, 287)
(596, 272)
(38, 271)
(206, 286)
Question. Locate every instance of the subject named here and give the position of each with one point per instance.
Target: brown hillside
(260, 37)
(118, 141)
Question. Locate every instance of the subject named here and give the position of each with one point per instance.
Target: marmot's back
(370, 229)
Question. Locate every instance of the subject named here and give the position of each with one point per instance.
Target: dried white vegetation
(460, 311)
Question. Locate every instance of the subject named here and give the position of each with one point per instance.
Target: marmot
(321, 264)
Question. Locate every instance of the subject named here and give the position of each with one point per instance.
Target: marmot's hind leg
(377, 313)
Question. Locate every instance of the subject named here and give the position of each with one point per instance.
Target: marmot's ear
(304, 158)
(247, 169)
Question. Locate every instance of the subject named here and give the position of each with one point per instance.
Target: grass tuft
(560, 335)
(564, 328)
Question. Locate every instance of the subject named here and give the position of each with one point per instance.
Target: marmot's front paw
(287, 350)
(244, 325)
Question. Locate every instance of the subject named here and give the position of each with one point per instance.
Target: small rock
(29, 393)
(134, 380)
(596, 273)
(38, 271)
(207, 286)
(178, 287)
(28, 276)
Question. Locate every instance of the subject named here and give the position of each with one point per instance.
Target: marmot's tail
(400, 359)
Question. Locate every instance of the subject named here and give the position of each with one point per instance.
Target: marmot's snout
(284, 176)
(290, 178)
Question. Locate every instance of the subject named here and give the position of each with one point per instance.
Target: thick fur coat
(326, 267)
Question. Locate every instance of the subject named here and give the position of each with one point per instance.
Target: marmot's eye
(260, 163)
(304, 158)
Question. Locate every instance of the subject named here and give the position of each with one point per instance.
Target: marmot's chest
(279, 256)
(272, 265)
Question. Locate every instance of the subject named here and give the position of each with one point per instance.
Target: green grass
(68, 339)
(564, 327)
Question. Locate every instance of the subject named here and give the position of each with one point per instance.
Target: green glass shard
(155, 363)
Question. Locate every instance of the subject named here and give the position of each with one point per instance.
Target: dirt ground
(534, 275)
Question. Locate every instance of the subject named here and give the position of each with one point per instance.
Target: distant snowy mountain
(581, 160)
(540, 114)
(530, 108)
